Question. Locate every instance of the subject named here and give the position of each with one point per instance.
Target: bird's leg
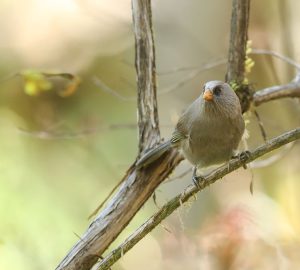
(196, 178)
(243, 157)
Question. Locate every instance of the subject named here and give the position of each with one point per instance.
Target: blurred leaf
(36, 82)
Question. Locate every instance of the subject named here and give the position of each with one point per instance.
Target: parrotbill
(208, 132)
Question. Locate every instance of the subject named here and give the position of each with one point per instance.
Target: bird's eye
(217, 90)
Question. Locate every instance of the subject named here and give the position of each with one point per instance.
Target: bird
(208, 132)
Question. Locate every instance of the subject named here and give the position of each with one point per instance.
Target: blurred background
(64, 145)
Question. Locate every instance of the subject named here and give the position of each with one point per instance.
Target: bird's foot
(197, 179)
(243, 157)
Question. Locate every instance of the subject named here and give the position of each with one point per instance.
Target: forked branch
(137, 186)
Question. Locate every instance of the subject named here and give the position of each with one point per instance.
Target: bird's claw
(243, 157)
(197, 180)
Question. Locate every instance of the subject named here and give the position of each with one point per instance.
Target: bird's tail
(153, 154)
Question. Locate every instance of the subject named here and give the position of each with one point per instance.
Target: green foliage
(249, 63)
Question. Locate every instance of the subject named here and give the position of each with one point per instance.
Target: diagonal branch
(191, 190)
(137, 186)
(277, 55)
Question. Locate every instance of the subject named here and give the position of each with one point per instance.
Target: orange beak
(208, 95)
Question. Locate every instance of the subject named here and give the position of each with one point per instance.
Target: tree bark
(138, 185)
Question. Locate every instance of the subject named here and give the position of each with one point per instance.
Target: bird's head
(219, 97)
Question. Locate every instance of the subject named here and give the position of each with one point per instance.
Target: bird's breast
(211, 142)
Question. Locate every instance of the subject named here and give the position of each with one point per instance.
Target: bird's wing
(181, 131)
(177, 137)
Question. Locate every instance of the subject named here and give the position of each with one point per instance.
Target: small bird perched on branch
(208, 132)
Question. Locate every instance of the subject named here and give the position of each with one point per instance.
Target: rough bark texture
(146, 74)
(133, 193)
(237, 51)
(137, 186)
(238, 41)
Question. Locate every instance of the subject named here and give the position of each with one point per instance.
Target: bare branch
(209, 65)
(215, 63)
(55, 135)
(192, 75)
(177, 201)
(237, 52)
(238, 41)
(277, 55)
(194, 72)
(291, 90)
(109, 90)
(261, 126)
(146, 74)
(137, 186)
(272, 159)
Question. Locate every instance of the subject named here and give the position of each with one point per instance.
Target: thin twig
(223, 60)
(277, 55)
(191, 76)
(55, 135)
(272, 159)
(104, 87)
(186, 172)
(261, 126)
(195, 71)
(175, 203)
(105, 199)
